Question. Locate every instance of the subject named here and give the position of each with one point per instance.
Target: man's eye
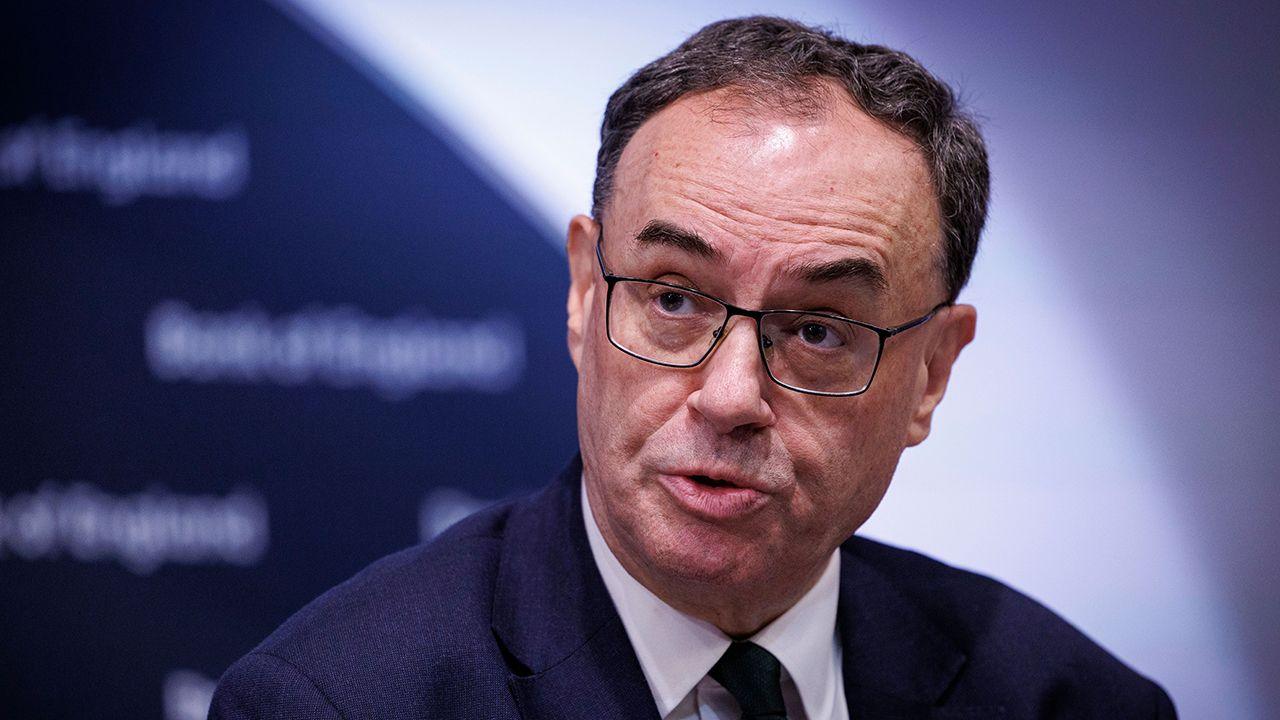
(820, 335)
(673, 302)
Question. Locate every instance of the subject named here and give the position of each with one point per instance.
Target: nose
(731, 395)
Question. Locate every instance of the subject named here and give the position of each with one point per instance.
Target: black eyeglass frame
(758, 316)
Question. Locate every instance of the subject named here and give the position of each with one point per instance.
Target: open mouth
(712, 498)
(711, 482)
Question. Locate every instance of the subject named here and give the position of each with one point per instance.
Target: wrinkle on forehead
(840, 178)
(794, 219)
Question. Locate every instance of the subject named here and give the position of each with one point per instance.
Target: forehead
(769, 185)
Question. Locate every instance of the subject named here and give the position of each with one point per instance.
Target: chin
(710, 557)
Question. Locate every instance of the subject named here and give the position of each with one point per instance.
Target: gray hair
(778, 61)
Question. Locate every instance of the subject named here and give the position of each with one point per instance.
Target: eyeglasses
(674, 326)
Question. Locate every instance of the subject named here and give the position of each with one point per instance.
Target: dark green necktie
(753, 676)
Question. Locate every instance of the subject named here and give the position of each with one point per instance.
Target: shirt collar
(676, 650)
(804, 640)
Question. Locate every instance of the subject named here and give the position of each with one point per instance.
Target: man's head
(775, 167)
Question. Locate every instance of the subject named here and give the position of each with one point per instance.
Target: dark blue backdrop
(261, 326)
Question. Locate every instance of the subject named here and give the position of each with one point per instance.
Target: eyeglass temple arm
(890, 332)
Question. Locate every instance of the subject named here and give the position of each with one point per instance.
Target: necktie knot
(753, 676)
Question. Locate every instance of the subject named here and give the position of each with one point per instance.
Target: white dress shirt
(676, 651)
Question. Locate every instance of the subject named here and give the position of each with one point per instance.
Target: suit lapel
(896, 662)
(567, 648)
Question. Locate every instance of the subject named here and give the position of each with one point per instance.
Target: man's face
(716, 478)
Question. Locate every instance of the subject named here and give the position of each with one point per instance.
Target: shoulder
(368, 642)
(971, 608)
(1017, 652)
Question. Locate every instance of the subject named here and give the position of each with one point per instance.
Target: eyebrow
(661, 232)
(856, 269)
(851, 269)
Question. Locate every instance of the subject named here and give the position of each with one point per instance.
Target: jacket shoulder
(410, 631)
(1018, 652)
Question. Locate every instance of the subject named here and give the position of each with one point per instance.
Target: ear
(958, 323)
(583, 271)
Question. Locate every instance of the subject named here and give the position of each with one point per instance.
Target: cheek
(622, 401)
(844, 457)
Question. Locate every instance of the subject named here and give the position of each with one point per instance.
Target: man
(762, 313)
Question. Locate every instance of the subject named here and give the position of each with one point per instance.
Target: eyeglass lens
(809, 352)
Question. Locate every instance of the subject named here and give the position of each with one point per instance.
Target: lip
(714, 503)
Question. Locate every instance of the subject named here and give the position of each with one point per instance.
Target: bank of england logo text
(336, 347)
(121, 165)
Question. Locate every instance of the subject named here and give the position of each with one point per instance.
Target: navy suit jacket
(506, 616)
